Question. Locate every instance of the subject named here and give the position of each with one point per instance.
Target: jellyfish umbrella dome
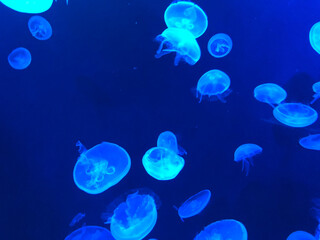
(28, 6)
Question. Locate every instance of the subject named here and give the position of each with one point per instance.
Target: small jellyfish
(316, 89)
(27, 6)
(19, 58)
(186, 15)
(219, 45)
(270, 93)
(314, 37)
(77, 219)
(244, 153)
(168, 140)
(100, 167)
(214, 84)
(40, 28)
(227, 229)
(90, 232)
(300, 235)
(162, 163)
(295, 114)
(180, 41)
(311, 142)
(195, 204)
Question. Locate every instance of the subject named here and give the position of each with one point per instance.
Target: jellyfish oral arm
(246, 165)
(316, 96)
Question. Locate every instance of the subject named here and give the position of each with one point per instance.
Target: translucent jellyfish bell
(311, 142)
(295, 114)
(19, 58)
(300, 235)
(168, 140)
(314, 37)
(270, 93)
(100, 167)
(90, 232)
(186, 15)
(28, 6)
(219, 45)
(316, 89)
(180, 41)
(40, 28)
(244, 154)
(214, 84)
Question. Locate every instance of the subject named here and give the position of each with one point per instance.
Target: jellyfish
(168, 140)
(100, 167)
(27, 6)
(244, 153)
(214, 84)
(311, 142)
(227, 229)
(314, 37)
(270, 93)
(316, 89)
(195, 204)
(186, 15)
(300, 235)
(40, 28)
(162, 163)
(77, 219)
(295, 114)
(180, 41)
(219, 45)
(90, 232)
(19, 58)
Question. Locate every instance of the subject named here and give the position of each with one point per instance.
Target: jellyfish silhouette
(19, 58)
(300, 235)
(168, 140)
(220, 45)
(40, 28)
(316, 89)
(270, 93)
(311, 142)
(100, 167)
(180, 41)
(27, 6)
(90, 232)
(244, 153)
(314, 37)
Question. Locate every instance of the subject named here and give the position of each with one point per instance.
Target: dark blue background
(97, 80)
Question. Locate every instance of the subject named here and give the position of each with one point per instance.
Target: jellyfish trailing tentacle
(82, 148)
(315, 96)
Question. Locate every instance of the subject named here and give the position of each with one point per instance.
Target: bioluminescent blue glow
(90, 232)
(19, 58)
(227, 229)
(295, 114)
(314, 37)
(214, 85)
(311, 142)
(244, 154)
(168, 140)
(28, 6)
(186, 15)
(100, 167)
(300, 235)
(316, 89)
(270, 93)
(77, 218)
(180, 41)
(220, 45)
(40, 28)
(195, 204)
(162, 163)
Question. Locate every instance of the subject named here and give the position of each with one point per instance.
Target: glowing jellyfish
(180, 41)
(186, 15)
(90, 232)
(100, 167)
(244, 154)
(295, 114)
(270, 93)
(162, 163)
(195, 204)
(40, 28)
(219, 45)
(227, 229)
(311, 142)
(314, 37)
(316, 89)
(168, 140)
(300, 235)
(28, 6)
(77, 218)
(19, 58)
(214, 84)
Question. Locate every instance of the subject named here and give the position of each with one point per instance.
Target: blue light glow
(220, 45)
(19, 58)
(28, 6)
(270, 93)
(244, 154)
(40, 28)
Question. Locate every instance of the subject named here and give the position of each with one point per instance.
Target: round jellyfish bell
(168, 140)
(300, 235)
(314, 37)
(244, 154)
(28, 6)
(186, 15)
(270, 93)
(295, 114)
(40, 28)
(19, 58)
(162, 163)
(224, 229)
(180, 41)
(219, 45)
(311, 142)
(316, 89)
(90, 232)
(214, 84)
(100, 167)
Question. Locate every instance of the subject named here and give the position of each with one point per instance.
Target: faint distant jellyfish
(314, 37)
(219, 45)
(77, 219)
(40, 28)
(162, 163)
(244, 154)
(227, 229)
(214, 84)
(270, 93)
(295, 114)
(90, 232)
(180, 41)
(186, 15)
(27, 6)
(311, 142)
(100, 167)
(168, 140)
(19, 58)
(316, 89)
(300, 235)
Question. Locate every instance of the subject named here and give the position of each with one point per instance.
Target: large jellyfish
(180, 41)
(244, 154)
(270, 93)
(300, 235)
(295, 114)
(316, 89)
(40, 28)
(214, 84)
(219, 45)
(314, 37)
(28, 6)
(311, 142)
(168, 140)
(186, 15)
(100, 167)
(19, 58)
(90, 232)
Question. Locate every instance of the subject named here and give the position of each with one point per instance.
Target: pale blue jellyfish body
(186, 15)
(270, 93)
(40, 28)
(300, 235)
(100, 167)
(181, 42)
(220, 45)
(168, 140)
(244, 154)
(295, 114)
(90, 232)
(311, 142)
(214, 85)
(314, 37)
(316, 89)
(19, 58)
(227, 229)
(28, 6)
(162, 163)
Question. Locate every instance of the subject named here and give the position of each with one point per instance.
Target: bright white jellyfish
(40, 28)
(28, 6)
(314, 37)
(270, 93)
(168, 140)
(316, 89)
(219, 45)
